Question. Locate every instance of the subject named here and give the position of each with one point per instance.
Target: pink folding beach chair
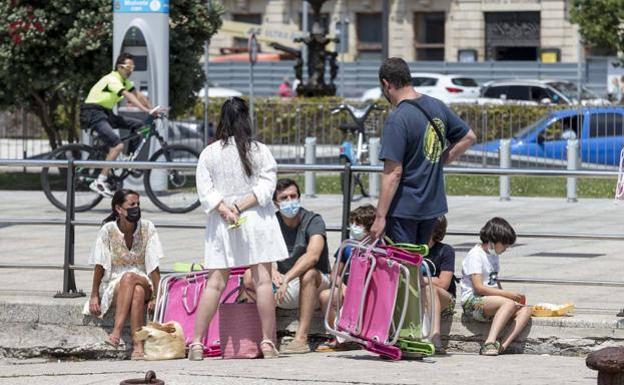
(366, 316)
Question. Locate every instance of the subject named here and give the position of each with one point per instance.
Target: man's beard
(386, 95)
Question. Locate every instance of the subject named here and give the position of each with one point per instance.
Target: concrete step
(45, 327)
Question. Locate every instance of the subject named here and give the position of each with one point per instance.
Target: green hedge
(288, 121)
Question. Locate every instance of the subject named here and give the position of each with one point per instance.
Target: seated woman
(126, 258)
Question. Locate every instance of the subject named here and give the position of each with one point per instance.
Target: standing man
(97, 113)
(412, 184)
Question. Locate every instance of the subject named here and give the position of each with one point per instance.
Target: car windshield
(526, 130)
(571, 92)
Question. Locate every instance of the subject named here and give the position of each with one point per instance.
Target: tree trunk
(73, 133)
(42, 110)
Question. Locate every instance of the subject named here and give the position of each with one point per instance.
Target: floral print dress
(112, 253)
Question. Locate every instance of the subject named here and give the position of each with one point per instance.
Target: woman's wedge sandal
(196, 351)
(268, 349)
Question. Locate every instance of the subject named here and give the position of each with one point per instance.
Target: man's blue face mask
(290, 208)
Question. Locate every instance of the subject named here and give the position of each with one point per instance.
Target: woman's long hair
(118, 199)
(235, 122)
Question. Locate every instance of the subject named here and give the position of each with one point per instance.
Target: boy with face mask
(361, 219)
(299, 278)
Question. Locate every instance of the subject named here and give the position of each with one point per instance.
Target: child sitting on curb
(442, 256)
(361, 219)
(482, 296)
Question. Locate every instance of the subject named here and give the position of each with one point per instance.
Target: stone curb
(38, 327)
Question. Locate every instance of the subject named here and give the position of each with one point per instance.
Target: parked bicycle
(169, 189)
(355, 153)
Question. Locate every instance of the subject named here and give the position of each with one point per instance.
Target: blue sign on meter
(141, 6)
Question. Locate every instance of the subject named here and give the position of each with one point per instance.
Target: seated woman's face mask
(290, 208)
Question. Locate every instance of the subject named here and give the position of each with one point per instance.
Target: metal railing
(69, 285)
(285, 125)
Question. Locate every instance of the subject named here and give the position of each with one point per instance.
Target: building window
(240, 43)
(429, 35)
(512, 35)
(369, 36)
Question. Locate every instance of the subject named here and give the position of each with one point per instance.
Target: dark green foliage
(51, 53)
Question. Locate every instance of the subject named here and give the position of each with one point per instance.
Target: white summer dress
(110, 251)
(220, 177)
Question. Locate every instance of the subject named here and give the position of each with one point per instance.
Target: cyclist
(97, 113)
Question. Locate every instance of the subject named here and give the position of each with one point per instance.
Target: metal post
(504, 155)
(206, 96)
(573, 164)
(310, 158)
(385, 16)
(69, 282)
(343, 44)
(579, 70)
(304, 48)
(373, 177)
(251, 97)
(207, 83)
(346, 202)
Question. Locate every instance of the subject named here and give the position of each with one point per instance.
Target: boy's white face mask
(492, 250)
(356, 232)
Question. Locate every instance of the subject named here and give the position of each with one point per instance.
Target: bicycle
(354, 154)
(169, 189)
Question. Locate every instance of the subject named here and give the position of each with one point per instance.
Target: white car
(447, 88)
(219, 92)
(547, 91)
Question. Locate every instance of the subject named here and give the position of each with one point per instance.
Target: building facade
(450, 30)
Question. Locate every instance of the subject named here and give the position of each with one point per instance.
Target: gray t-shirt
(297, 240)
(410, 139)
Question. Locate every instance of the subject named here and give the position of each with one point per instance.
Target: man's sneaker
(101, 188)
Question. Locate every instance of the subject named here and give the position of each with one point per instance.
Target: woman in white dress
(126, 258)
(236, 177)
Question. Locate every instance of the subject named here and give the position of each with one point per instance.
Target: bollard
(609, 362)
(504, 156)
(572, 148)
(373, 156)
(310, 158)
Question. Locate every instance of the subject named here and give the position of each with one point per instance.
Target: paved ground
(572, 259)
(577, 260)
(314, 368)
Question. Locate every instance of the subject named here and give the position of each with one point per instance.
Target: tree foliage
(53, 51)
(601, 22)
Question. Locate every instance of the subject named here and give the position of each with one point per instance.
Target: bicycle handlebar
(358, 115)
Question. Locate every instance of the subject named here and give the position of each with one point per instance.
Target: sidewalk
(530, 258)
(26, 295)
(314, 368)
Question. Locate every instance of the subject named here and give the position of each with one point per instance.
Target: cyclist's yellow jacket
(108, 90)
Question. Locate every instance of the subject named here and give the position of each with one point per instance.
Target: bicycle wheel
(54, 180)
(172, 190)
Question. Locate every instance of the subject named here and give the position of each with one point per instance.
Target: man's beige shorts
(291, 297)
